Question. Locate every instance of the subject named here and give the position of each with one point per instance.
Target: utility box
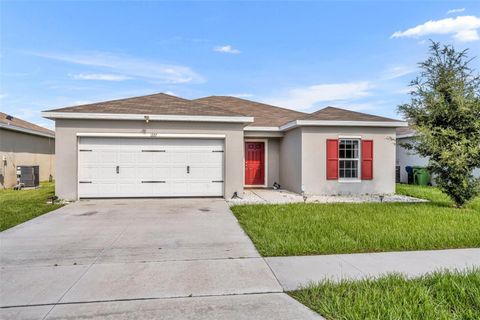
(28, 176)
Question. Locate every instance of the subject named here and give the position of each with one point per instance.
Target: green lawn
(19, 206)
(445, 295)
(307, 229)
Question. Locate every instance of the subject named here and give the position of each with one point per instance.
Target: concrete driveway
(159, 258)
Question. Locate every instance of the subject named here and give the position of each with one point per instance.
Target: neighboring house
(24, 144)
(162, 146)
(408, 157)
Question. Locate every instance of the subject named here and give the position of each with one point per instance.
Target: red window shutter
(367, 159)
(332, 159)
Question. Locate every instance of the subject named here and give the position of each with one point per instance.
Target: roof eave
(27, 131)
(408, 135)
(336, 123)
(260, 128)
(144, 117)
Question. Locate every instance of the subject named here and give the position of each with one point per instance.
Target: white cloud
(398, 72)
(455, 10)
(99, 76)
(171, 93)
(308, 97)
(131, 67)
(3, 96)
(463, 28)
(227, 49)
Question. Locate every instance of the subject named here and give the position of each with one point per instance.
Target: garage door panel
(205, 188)
(106, 188)
(179, 188)
(128, 187)
(161, 173)
(178, 157)
(126, 157)
(128, 172)
(161, 157)
(214, 173)
(106, 156)
(206, 173)
(179, 172)
(144, 188)
(161, 189)
(150, 167)
(90, 172)
(86, 156)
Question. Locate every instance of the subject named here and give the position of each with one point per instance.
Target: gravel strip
(270, 196)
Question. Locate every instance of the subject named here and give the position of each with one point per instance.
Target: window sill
(349, 180)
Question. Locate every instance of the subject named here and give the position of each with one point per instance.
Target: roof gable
(264, 115)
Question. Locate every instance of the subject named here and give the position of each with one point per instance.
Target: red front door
(255, 163)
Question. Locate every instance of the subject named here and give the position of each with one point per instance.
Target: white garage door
(134, 167)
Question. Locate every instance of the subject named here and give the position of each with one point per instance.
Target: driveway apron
(138, 258)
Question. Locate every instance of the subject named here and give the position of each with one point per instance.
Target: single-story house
(24, 144)
(165, 146)
(409, 157)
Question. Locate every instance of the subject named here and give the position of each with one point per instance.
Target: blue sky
(302, 55)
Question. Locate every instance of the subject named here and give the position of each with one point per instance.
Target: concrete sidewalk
(294, 272)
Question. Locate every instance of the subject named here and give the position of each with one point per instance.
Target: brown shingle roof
(19, 123)
(158, 104)
(405, 131)
(264, 115)
(337, 114)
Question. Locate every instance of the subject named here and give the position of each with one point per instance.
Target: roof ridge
(156, 103)
(251, 101)
(118, 99)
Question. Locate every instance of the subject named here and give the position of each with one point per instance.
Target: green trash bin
(421, 176)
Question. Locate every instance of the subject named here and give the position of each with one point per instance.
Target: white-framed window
(349, 158)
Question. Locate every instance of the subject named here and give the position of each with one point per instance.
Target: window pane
(348, 154)
(354, 173)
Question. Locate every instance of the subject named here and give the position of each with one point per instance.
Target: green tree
(445, 111)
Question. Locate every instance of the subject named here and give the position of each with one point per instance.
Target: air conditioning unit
(28, 176)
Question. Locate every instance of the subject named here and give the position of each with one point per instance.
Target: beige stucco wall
(291, 160)
(25, 149)
(66, 146)
(314, 161)
(273, 161)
